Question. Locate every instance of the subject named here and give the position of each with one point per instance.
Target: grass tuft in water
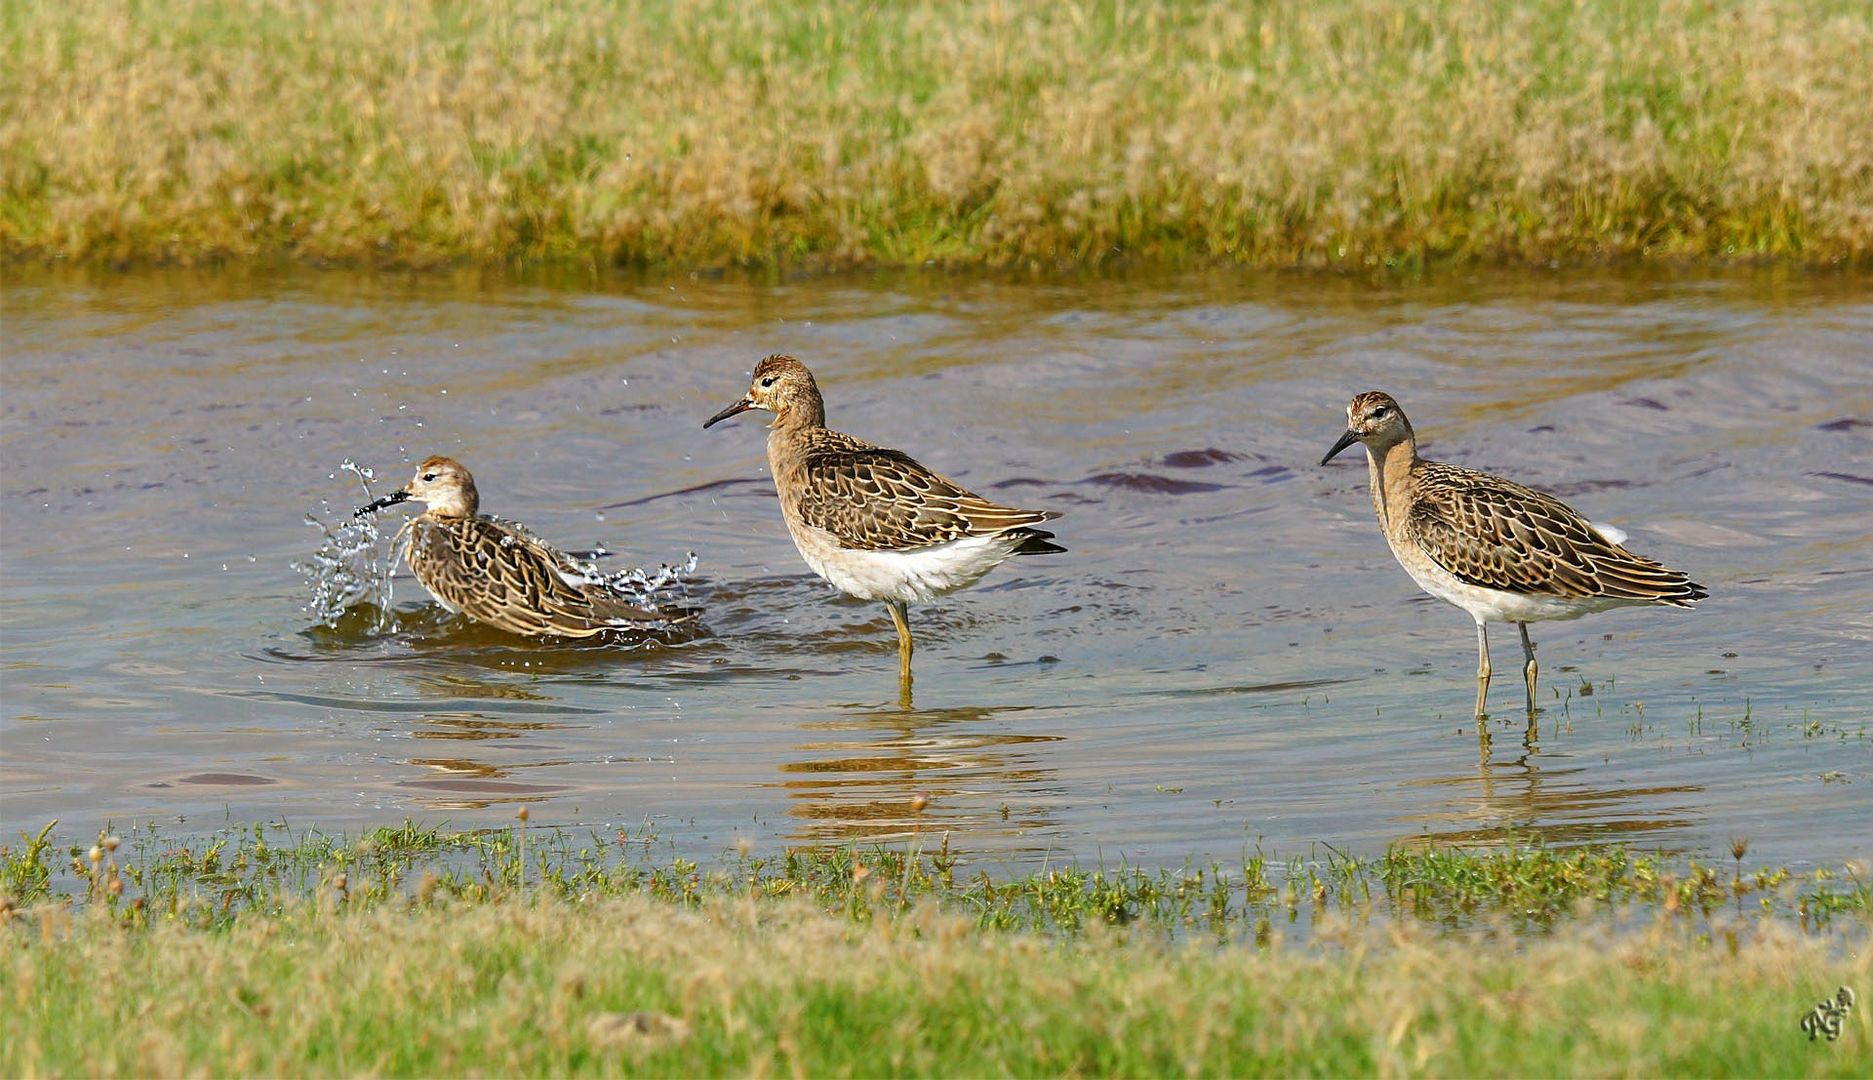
(212, 882)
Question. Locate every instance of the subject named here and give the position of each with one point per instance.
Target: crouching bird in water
(1496, 549)
(874, 522)
(499, 574)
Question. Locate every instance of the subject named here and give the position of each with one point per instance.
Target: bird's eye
(1379, 413)
(429, 478)
(769, 381)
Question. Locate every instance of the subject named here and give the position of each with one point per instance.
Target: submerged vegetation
(418, 951)
(211, 882)
(839, 132)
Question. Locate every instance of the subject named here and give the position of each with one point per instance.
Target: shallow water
(1228, 658)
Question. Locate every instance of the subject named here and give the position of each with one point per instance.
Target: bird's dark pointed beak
(1346, 440)
(391, 499)
(741, 406)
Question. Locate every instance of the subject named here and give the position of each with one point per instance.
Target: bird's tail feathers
(1034, 542)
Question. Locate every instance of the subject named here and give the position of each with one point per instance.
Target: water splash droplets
(348, 569)
(351, 569)
(645, 588)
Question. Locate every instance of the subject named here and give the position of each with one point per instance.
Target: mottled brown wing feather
(1495, 533)
(497, 576)
(874, 499)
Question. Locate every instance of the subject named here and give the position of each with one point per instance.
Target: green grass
(839, 133)
(515, 988)
(418, 951)
(215, 880)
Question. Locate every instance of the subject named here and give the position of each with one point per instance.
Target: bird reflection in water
(1513, 798)
(462, 783)
(858, 777)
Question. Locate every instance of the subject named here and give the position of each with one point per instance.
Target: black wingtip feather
(1687, 594)
(1035, 542)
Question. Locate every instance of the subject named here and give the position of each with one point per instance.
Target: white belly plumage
(1494, 605)
(917, 574)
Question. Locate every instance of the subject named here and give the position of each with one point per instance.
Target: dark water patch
(1197, 459)
(1150, 483)
(218, 779)
(1250, 688)
(1849, 478)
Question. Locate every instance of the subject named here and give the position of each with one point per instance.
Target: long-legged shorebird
(1496, 549)
(496, 573)
(873, 522)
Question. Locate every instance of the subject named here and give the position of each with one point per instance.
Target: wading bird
(873, 522)
(497, 573)
(1496, 549)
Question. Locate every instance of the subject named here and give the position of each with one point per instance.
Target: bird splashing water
(349, 570)
(351, 574)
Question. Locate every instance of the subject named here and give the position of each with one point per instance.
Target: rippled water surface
(1227, 658)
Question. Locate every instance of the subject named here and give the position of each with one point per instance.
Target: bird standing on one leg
(871, 521)
(1496, 549)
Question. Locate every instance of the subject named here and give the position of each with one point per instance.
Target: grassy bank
(744, 987)
(843, 133)
(418, 951)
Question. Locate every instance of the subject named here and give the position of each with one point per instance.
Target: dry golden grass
(261, 950)
(836, 132)
(765, 987)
